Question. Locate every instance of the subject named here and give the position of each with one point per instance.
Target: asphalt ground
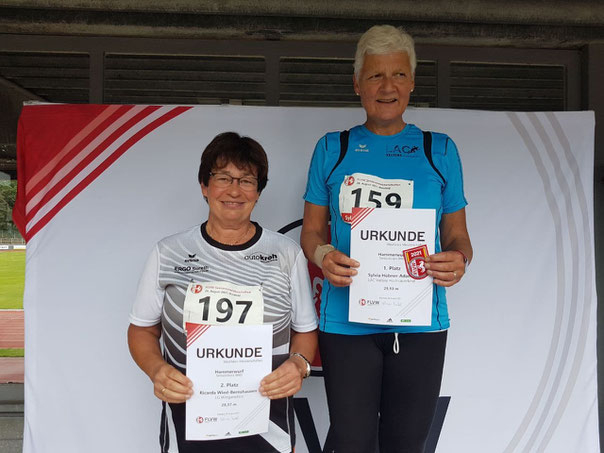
(11, 418)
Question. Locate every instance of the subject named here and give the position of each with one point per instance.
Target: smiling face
(385, 84)
(230, 207)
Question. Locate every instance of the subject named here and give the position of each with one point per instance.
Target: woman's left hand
(447, 268)
(285, 381)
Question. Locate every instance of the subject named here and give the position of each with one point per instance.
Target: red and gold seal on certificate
(415, 259)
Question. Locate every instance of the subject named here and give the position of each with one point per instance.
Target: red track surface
(11, 336)
(11, 370)
(11, 329)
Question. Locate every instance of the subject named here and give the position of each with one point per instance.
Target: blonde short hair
(382, 40)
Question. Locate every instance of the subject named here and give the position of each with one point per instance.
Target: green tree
(8, 195)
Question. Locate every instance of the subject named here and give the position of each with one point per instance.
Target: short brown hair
(230, 147)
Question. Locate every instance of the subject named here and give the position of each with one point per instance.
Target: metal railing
(12, 240)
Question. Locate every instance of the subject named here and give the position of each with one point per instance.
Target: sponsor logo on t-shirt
(191, 269)
(400, 151)
(361, 149)
(191, 258)
(262, 257)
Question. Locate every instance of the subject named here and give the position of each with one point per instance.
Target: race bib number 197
(366, 191)
(223, 303)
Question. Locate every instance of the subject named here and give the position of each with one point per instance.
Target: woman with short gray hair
(383, 381)
(383, 40)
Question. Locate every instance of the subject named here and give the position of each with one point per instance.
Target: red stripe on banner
(194, 331)
(75, 141)
(36, 145)
(358, 215)
(86, 160)
(102, 167)
(43, 179)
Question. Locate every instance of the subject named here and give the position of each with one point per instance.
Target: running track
(11, 336)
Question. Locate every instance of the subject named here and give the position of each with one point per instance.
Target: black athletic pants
(378, 397)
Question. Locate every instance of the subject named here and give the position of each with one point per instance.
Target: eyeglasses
(247, 183)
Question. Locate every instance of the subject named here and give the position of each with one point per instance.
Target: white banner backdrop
(521, 361)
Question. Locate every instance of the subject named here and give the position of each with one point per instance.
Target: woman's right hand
(338, 268)
(170, 385)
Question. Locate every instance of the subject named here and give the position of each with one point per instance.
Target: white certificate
(226, 365)
(392, 286)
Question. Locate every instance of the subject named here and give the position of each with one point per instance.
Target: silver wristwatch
(297, 354)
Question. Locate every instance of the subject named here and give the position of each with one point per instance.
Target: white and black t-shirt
(270, 260)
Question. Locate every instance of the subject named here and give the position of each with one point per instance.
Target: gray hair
(382, 40)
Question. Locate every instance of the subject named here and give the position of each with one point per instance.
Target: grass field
(15, 352)
(12, 279)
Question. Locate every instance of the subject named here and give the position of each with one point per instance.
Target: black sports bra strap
(343, 148)
(428, 152)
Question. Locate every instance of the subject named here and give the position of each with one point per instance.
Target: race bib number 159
(366, 191)
(223, 303)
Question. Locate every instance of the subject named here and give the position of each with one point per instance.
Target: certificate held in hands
(226, 364)
(392, 286)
